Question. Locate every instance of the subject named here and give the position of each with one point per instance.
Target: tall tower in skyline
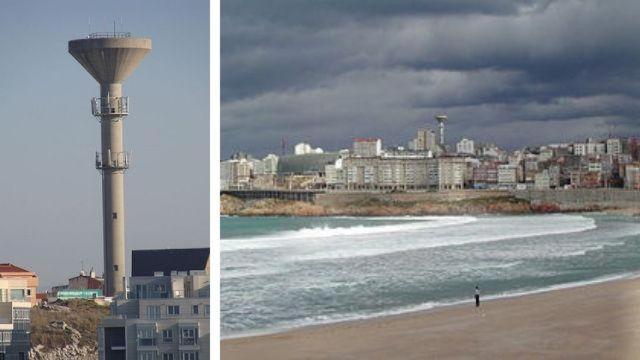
(110, 58)
(441, 119)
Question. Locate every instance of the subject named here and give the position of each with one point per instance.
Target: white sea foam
(387, 245)
(326, 232)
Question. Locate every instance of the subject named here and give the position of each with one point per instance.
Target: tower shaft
(114, 160)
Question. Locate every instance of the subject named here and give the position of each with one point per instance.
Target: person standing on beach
(477, 296)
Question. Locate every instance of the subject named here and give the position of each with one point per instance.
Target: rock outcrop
(66, 331)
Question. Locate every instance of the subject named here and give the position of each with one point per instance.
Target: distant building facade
(465, 146)
(367, 147)
(507, 175)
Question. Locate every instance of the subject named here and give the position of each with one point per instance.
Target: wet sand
(599, 321)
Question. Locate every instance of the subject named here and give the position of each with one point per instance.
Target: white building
(304, 148)
(367, 147)
(580, 149)
(166, 315)
(270, 164)
(236, 173)
(465, 146)
(507, 175)
(614, 146)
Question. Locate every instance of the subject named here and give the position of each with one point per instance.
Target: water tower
(441, 119)
(110, 58)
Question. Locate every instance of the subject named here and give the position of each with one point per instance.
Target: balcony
(113, 160)
(116, 106)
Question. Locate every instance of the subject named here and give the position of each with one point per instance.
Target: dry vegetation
(83, 316)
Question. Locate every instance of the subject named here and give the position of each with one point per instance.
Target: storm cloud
(511, 72)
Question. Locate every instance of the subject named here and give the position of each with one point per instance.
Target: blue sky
(50, 214)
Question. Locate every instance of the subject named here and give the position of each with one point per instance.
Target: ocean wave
(389, 246)
(284, 238)
(339, 318)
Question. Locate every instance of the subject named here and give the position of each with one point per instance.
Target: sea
(280, 273)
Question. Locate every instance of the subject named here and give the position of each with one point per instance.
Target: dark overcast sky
(509, 72)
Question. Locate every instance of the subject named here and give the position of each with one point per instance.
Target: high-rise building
(425, 140)
(166, 314)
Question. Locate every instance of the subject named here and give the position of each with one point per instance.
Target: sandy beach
(599, 321)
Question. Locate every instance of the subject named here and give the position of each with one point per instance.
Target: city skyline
(516, 72)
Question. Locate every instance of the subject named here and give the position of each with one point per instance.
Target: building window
(207, 309)
(114, 215)
(189, 355)
(167, 336)
(21, 356)
(195, 309)
(146, 355)
(161, 291)
(173, 309)
(2, 356)
(115, 267)
(153, 311)
(146, 335)
(17, 294)
(188, 336)
(167, 356)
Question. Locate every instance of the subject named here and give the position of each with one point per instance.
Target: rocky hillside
(66, 330)
(375, 207)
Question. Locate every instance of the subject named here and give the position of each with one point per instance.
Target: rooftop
(10, 268)
(148, 262)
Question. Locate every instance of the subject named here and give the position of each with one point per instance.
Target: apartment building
(165, 314)
(507, 175)
(16, 298)
(446, 173)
